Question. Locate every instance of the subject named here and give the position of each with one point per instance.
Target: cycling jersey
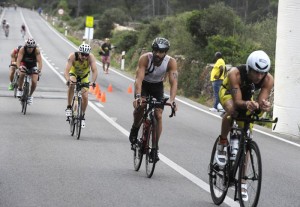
(247, 87)
(155, 74)
(29, 59)
(80, 69)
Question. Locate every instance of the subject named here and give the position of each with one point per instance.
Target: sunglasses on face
(85, 55)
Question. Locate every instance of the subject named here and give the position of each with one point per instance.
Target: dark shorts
(153, 89)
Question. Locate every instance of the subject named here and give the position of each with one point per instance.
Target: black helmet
(218, 54)
(161, 44)
(19, 47)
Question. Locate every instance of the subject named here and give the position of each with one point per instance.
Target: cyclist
(79, 65)
(29, 57)
(13, 65)
(236, 96)
(6, 29)
(23, 30)
(3, 24)
(152, 69)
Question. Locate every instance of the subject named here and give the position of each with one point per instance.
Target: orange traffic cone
(109, 89)
(103, 97)
(98, 96)
(129, 89)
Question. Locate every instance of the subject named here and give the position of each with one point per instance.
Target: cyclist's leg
(34, 79)
(12, 73)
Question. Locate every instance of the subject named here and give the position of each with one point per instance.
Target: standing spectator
(104, 52)
(217, 77)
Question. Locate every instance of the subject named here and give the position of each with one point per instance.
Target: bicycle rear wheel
(138, 150)
(250, 173)
(78, 118)
(151, 157)
(218, 178)
(24, 98)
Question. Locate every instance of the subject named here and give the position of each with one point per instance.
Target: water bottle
(234, 146)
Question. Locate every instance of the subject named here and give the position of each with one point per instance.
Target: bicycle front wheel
(138, 150)
(78, 118)
(218, 178)
(250, 173)
(15, 84)
(24, 98)
(150, 150)
(72, 119)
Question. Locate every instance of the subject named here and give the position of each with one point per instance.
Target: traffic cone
(98, 96)
(103, 97)
(109, 89)
(97, 89)
(129, 89)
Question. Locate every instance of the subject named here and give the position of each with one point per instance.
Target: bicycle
(147, 136)
(15, 79)
(26, 87)
(247, 163)
(77, 114)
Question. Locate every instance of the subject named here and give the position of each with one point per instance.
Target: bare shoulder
(268, 81)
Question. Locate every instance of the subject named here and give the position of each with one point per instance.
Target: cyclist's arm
(93, 65)
(140, 74)
(234, 81)
(69, 64)
(39, 59)
(20, 57)
(264, 93)
(173, 78)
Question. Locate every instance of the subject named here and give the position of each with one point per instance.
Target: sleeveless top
(80, 68)
(156, 74)
(29, 59)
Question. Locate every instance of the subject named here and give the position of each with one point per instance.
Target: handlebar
(255, 118)
(153, 103)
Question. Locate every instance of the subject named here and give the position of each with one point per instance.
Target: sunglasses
(85, 55)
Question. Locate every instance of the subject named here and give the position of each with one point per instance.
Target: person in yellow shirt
(217, 77)
(79, 64)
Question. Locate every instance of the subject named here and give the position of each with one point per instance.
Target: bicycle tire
(78, 118)
(25, 97)
(138, 150)
(218, 178)
(252, 176)
(72, 118)
(15, 84)
(151, 136)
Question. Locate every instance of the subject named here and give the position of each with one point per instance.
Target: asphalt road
(42, 165)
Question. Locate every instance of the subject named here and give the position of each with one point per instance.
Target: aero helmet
(258, 61)
(30, 43)
(161, 44)
(84, 48)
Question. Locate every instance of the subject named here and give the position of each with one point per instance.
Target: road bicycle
(27, 86)
(15, 79)
(245, 171)
(75, 119)
(147, 136)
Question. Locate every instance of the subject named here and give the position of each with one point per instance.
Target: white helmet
(84, 48)
(258, 61)
(30, 43)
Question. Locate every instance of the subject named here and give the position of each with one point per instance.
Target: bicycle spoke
(251, 175)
